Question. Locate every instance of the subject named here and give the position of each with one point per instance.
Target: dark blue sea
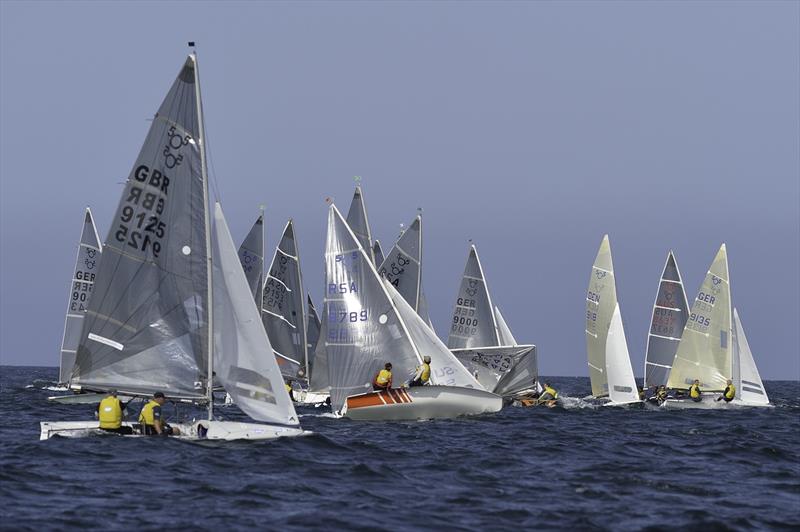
(578, 468)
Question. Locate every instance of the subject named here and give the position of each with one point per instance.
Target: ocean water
(578, 468)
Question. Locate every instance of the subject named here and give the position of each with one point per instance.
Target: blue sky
(532, 128)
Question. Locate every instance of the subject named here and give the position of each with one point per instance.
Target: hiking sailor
(383, 379)
(109, 412)
(423, 374)
(729, 393)
(151, 420)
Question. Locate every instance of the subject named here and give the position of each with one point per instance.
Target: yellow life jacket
(383, 377)
(551, 391)
(730, 392)
(110, 413)
(146, 416)
(694, 391)
(288, 387)
(426, 372)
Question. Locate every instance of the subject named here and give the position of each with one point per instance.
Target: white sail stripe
(285, 357)
(279, 317)
(670, 281)
(337, 343)
(668, 308)
(665, 338)
(603, 270)
(106, 341)
(83, 281)
(717, 276)
(81, 316)
(109, 319)
(282, 252)
(473, 278)
(284, 284)
(406, 254)
(84, 245)
(69, 350)
(595, 367)
(593, 301)
(590, 332)
(659, 365)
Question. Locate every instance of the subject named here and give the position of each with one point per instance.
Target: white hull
(621, 403)
(306, 398)
(422, 402)
(709, 402)
(216, 430)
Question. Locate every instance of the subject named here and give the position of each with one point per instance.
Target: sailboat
(359, 223)
(86, 265)
(481, 340)
(610, 368)
(170, 302)
(366, 323)
(251, 255)
(713, 348)
(670, 312)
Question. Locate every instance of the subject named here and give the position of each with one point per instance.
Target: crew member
(729, 393)
(383, 379)
(548, 394)
(423, 374)
(109, 411)
(289, 389)
(150, 417)
(661, 394)
(695, 392)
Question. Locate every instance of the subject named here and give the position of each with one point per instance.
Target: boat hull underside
(421, 402)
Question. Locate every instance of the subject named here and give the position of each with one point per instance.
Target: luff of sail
(601, 299)
(704, 351)
(473, 323)
(749, 387)
(282, 308)
(361, 329)
(359, 223)
(251, 255)
(146, 327)
(83, 276)
(253, 380)
(402, 266)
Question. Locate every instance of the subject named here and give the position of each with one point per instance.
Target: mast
(209, 265)
(419, 277)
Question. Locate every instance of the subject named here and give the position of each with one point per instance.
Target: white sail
(670, 312)
(312, 328)
(253, 380)
(749, 387)
(402, 267)
(377, 252)
(601, 299)
(473, 323)
(503, 370)
(359, 223)
(504, 332)
(445, 368)
(621, 382)
(251, 255)
(86, 266)
(704, 352)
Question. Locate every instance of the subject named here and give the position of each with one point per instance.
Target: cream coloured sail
(601, 300)
(704, 351)
(749, 387)
(621, 382)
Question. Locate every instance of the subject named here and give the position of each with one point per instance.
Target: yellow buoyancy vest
(730, 392)
(288, 387)
(110, 413)
(426, 372)
(694, 391)
(383, 377)
(146, 416)
(552, 391)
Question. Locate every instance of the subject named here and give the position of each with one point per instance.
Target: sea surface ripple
(581, 467)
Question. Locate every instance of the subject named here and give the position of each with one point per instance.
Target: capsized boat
(714, 348)
(86, 265)
(482, 341)
(367, 323)
(170, 302)
(610, 370)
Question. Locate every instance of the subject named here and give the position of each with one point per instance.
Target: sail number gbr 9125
(140, 224)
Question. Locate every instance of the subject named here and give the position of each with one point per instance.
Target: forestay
(473, 323)
(283, 310)
(251, 255)
(146, 326)
(240, 341)
(621, 382)
(704, 351)
(747, 380)
(402, 266)
(670, 312)
(503, 331)
(86, 264)
(601, 299)
(503, 370)
(361, 328)
(359, 223)
(446, 370)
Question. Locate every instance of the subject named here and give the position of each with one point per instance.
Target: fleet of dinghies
(168, 304)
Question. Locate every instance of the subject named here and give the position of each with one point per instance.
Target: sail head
(473, 323)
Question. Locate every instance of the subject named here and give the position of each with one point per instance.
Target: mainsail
(621, 382)
(283, 306)
(504, 333)
(749, 387)
(473, 323)
(146, 328)
(704, 351)
(86, 264)
(670, 312)
(359, 223)
(601, 300)
(402, 266)
(377, 252)
(251, 255)
(240, 341)
(361, 329)
(312, 332)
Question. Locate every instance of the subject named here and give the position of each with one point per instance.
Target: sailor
(695, 392)
(661, 394)
(548, 394)
(289, 389)
(109, 411)
(383, 379)
(150, 417)
(423, 374)
(729, 393)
